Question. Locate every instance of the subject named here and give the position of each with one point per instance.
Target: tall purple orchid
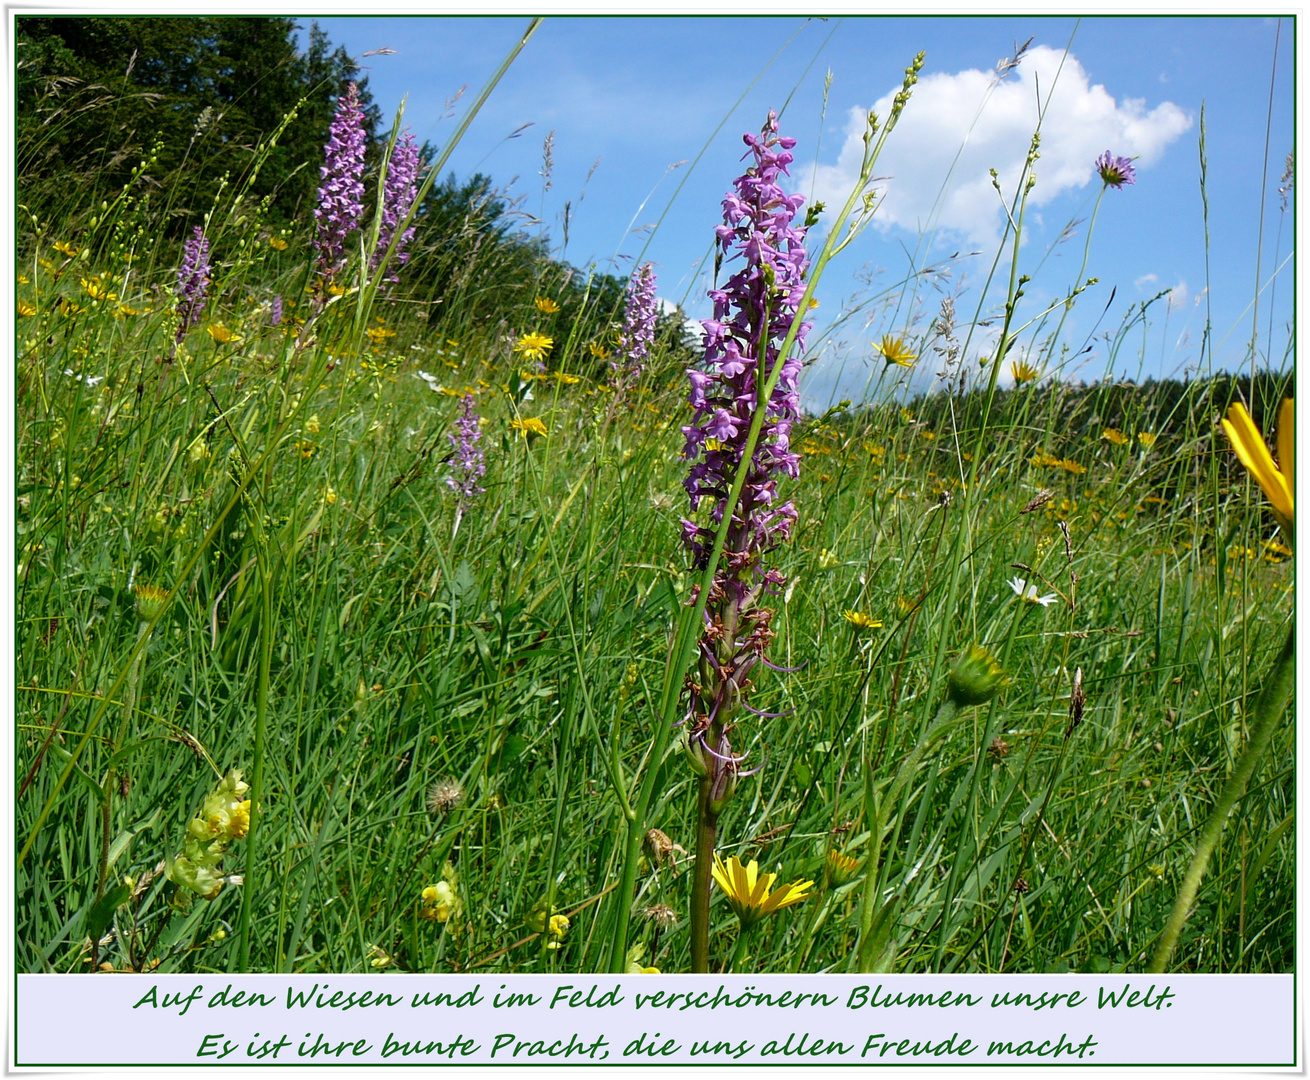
(192, 282)
(341, 194)
(638, 333)
(753, 313)
(398, 195)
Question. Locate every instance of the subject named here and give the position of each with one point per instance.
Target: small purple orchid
(1116, 172)
(467, 463)
(192, 282)
(638, 333)
(341, 194)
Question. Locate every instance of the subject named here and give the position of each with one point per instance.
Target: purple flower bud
(398, 193)
(275, 311)
(467, 464)
(341, 194)
(192, 282)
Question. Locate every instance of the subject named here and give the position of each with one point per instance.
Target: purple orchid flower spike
(754, 310)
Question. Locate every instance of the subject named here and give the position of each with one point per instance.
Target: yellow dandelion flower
(65, 248)
(25, 309)
(23, 279)
(528, 425)
(546, 304)
(277, 243)
(861, 621)
(1070, 466)
(123, 311)
(598, 350)
(1278, 484)
(219, 333)
(379, 334)
(1114, 435)
(1147, 439)
(894, 350)
(751, 894)
(874, 450)
(566, 379)
(67, 307)
(534, 346)
(1023, 372)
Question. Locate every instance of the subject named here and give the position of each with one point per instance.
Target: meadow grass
(472, 700)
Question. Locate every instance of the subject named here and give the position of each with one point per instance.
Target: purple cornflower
(1115, 171)
(192, 282)
(275, 310)
(397, 197)
(341, 194)
(753, 313)
(638, 333)
(467, 464)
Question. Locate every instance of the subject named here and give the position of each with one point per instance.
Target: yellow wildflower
(312, 425)
(277, 243)
(1070, 466)
(598, 351)
(1147, 439)
(1114, 435)
(1023, 372)
(23, 279)
(861, 621)
(1278, 484)
(751, 894)
(528, 425)
(95, 288)
(67, 307)
(534, 346)
(219, 333)
(566, 379)
(123, 311)
(840, 868)
(24, 308)
(330, 495)
(65, 248)
(546, 304)
(379, 334)
(907, 416)
(894, 350)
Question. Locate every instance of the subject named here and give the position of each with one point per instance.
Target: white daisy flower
(1028, 593)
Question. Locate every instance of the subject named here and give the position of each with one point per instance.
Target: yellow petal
(1254, 454)
(1287, 444)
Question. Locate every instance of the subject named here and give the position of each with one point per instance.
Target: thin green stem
(1268, 711)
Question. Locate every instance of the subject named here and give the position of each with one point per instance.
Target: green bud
(975, 678)
(149, 601)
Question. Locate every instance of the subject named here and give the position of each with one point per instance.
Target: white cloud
(1179, 296)
(1145, 280)
(990, 124)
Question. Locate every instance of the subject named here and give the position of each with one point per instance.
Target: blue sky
(634, 97)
